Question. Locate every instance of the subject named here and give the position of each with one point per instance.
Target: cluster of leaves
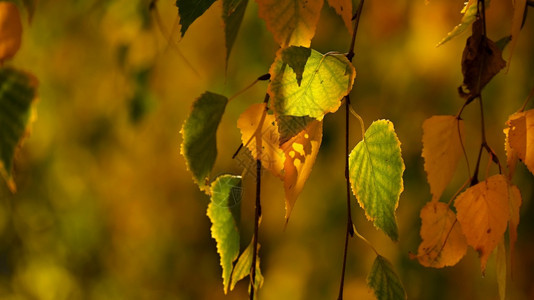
(283, 134)
(486, 209)
(17, 92)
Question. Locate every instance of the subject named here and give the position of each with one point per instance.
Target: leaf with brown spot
(443, 242)
(483, 212)
(442, 150)
(481, 60)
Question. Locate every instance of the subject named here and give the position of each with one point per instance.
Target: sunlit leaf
(243, 267)
(443, 242)
(517, 20)
(190, 10)
(289, 126)
(481, 61)
(500, 262)
(511, 154)
(292, 22)
(325, 81)
(272, 157)
(233, 13)
(224, 215)
(301, 152)
(385, 283)
(10, 30)
(470, 12)
(296, 58)
(344, 9)
(515, 204)
(375, 170)
(199, 132)
(483, 212)
(442, 150)
(17, 95)
(521, 137)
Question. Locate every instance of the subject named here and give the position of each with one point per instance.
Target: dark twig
(257, 215)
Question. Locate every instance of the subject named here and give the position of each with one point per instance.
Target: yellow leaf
(515, 204)
(483, 212)
(300, 151)
(511, 154)
(443, 242)
(441, 150)
(521, 137)
(10, 30)
(292, 22)
(517, 20)
(344, 9)
(272, 157)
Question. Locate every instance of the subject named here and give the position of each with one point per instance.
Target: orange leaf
(272, 157)
(441, 151)
(517, 20)
(521, 137)
(515, 204)
(443, 242)
(344, 9)
(292, 22)
(511, 154)
(300, 151)
(10, 30)
(483, 211)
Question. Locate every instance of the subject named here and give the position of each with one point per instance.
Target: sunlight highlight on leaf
(344, 9)
(511, 154)
(521, 137)
(375, 170)
(443, 242)
(199, 132)
(17, 96)
(10, 30)
(385, 283)
(483, 212)
(442, 150)
(469, 11)
(292, 22)
(223, 212)
(325, 81)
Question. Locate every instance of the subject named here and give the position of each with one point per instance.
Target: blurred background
(106, 209)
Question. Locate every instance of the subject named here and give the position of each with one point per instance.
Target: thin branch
(350, 54)
(530, 95)
(257, 215)
(463, 147)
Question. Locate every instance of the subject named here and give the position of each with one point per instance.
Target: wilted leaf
(292, 22)
(500, 262)
(481, 61)
(190, 10)
(10, 30)
(385, 283)
(443, 242)
(521, 137)
(272, 157)
(517, 20)
(325, 81)
(344, 9)
(233, 12)
(469, 11)
(515, 204)
(199, 132)
(442, 150)
(483, 212)
(17, 95)
(243, 268)
(375, 170)
(224, 215)
(300, 151)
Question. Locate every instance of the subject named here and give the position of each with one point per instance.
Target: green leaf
(243, 268)
(233, 13)
(199, 133)
(190, 10)
(223, 212)
(325, 81)
(470, 12)
(375, 170)
(385, 283)
(17, 94)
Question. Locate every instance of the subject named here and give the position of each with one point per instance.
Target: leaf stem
(262, 77)
(364, 239)
(362, 124)
(530, 95)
